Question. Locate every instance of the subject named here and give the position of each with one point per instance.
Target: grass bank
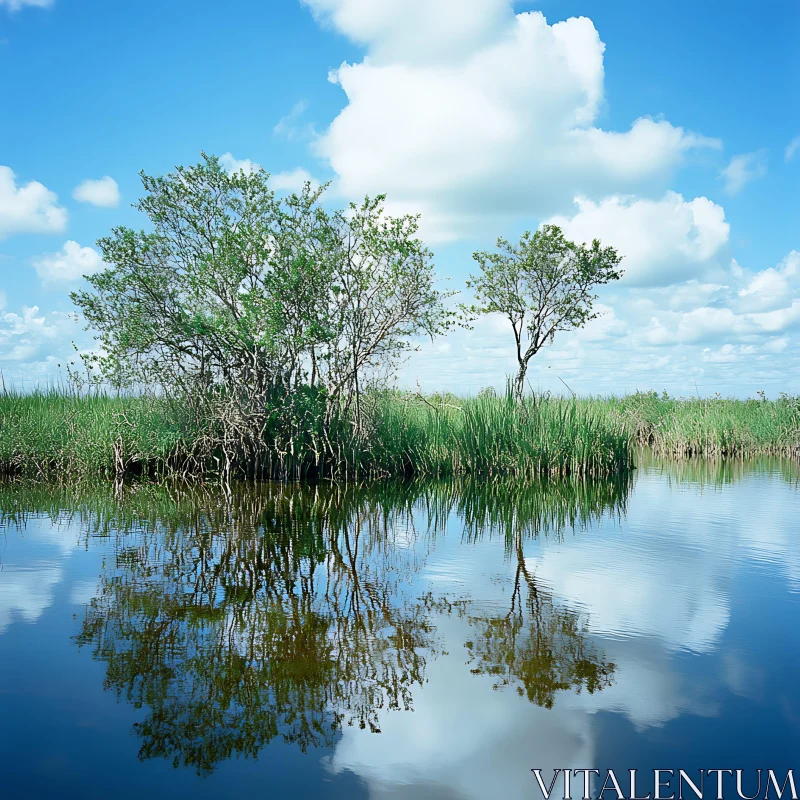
(59, 433)
(52, 432)
(714, 427)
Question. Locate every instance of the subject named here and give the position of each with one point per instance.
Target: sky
(670, 131)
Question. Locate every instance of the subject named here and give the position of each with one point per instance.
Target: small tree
(542, 285)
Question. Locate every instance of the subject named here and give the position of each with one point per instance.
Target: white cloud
(771, 288)
(16, 5)
(292, 181)
(103, 193)
(744, 168)
(35, 346)
(792, 148)
(603, 327)
(288, 127)
(663, 241)
(24, 336)
(418, 30)
(31, 208)
(733, 335)
(232, 164)
(474, 115)
(708, 324)
(776, 345)
(71, 263)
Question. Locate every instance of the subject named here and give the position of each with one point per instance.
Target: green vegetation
(252, 335)
(243, 306)
(247, 335)
(400, 435)
(542, 285)
(712, 427)
(61, 433)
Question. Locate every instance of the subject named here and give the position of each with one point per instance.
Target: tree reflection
(286, 612)
(537, 647)
(274, 614)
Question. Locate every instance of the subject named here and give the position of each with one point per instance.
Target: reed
(58, 432)
(711, 427)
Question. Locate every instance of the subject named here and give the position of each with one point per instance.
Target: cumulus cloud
(24, 336)
(663, 241)
(232, 164)
(792, 148)
(418, 30)
(28, 208)
(743, 169)
(103, 193)
(35, 345)
(473, 114)
(292, 181)
(71, 263)
(771, 288)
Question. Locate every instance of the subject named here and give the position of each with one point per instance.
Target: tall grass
(56, 432)
(59, 432)
(711, 427)
(489, 435)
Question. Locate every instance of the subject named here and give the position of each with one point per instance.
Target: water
(432, 641)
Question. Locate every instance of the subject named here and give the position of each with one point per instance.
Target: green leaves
(236, 293)
(542, 285)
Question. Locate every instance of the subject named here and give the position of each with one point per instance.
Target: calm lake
(424, 640)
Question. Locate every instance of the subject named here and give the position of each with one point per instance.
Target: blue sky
(671, 124)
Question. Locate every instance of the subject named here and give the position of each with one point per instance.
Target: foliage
(714, 426)
(65, 433)
(542, 285)
(222, 290)
(384, 293)
(237, 300)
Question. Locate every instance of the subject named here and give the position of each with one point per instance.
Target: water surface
(433, 640)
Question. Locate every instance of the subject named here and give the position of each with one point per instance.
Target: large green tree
(241, 295)
(543, 285)
(223, 289)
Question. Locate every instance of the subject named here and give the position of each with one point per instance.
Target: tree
(383, 294)
(542, 285)
(255, 307)
(224, 290)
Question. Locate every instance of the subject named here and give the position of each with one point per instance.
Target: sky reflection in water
(429, 641)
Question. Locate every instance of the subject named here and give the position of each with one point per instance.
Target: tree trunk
(519, 381)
